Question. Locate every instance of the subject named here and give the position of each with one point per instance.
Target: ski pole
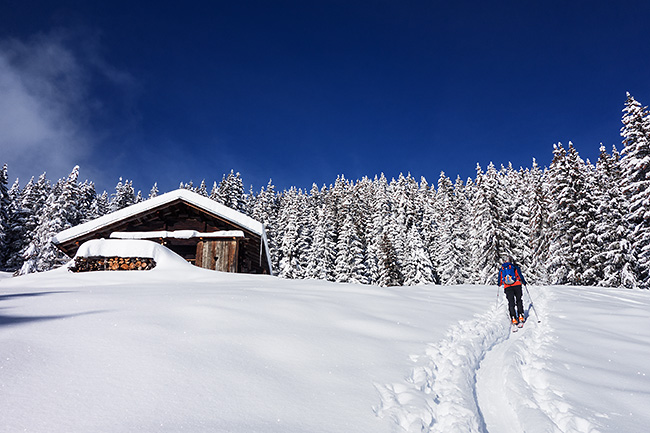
(497, 303)
(532, 305)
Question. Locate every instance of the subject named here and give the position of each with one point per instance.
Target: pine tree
(559, 187)
(572, 219)
(289, 258)
(539, 229)
(389, 269)
(516, 218)
(460, 230)
(231, 192)
(202, 189)
(154, 190)
(587, 242)
(33, 199)
(635, 164)
(62, 210)
(450, 240)
(443, 240)
(306, 221)
(322, 258)
(350, 263)
(102, 204)
(16, 235)
(215, 193)
(265, 208)
(614, 262)
(5, 225)
(489, 246)
(417, 268)
(124, 196)
(382, 260)
(425, 202)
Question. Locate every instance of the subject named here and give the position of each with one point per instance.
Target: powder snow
(182, 348)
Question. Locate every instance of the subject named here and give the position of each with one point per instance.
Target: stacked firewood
(89, 264)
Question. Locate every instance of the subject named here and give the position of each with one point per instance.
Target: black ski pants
(513, 294)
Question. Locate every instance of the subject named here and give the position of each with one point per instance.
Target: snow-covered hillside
(185, 349)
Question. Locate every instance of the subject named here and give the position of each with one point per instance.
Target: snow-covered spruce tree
(390, 273)
(306, 220)
(102, 205)
(373, 232)
(264, 208)
(32, 202)
(425, 202)
(384, 267)
(153, 192)
(429, 225)
(539, 231)
(5, 226)
(517, 215)
(444, 244)
(635, 164)
(215, 192)
(231, 192)
(417, 269)
(16, 235)
(489, 246)
(559, 188)
(614, 262)
(88, 203)
(460, 231)
(402, 194)
(202, 189)
(350, 263)
(61, 211)
(289, 231)
(571, 219)
(323, 251)
(124, 196)
(588, 241)
(363, 197)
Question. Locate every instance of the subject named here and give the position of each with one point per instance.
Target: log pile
(90, 264)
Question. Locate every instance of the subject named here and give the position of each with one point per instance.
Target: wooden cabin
(202, 231)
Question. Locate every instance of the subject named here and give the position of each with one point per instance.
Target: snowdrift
(203, 351)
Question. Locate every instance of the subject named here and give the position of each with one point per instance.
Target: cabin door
(218, 254)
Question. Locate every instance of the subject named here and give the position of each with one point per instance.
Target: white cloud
(45, 104)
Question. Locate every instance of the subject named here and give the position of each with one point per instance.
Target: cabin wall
(219, 255)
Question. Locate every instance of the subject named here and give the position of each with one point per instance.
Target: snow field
(179, 348)
(481, 377)
(149, 351)
(439, 394)
(514, 378)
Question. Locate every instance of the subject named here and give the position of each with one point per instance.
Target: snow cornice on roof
(204, 203)
(178, 234)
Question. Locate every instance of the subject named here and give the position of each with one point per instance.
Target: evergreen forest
(574, 222)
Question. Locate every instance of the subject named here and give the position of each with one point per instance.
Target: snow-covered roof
(177, 234)
(204, 203)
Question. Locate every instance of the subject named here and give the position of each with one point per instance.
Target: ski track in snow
(483, 378)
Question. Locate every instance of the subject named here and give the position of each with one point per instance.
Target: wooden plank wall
(220, 255)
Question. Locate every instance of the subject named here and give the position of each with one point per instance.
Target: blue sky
(302, 91)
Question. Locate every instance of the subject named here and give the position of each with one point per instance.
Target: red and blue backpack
(508, 274)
